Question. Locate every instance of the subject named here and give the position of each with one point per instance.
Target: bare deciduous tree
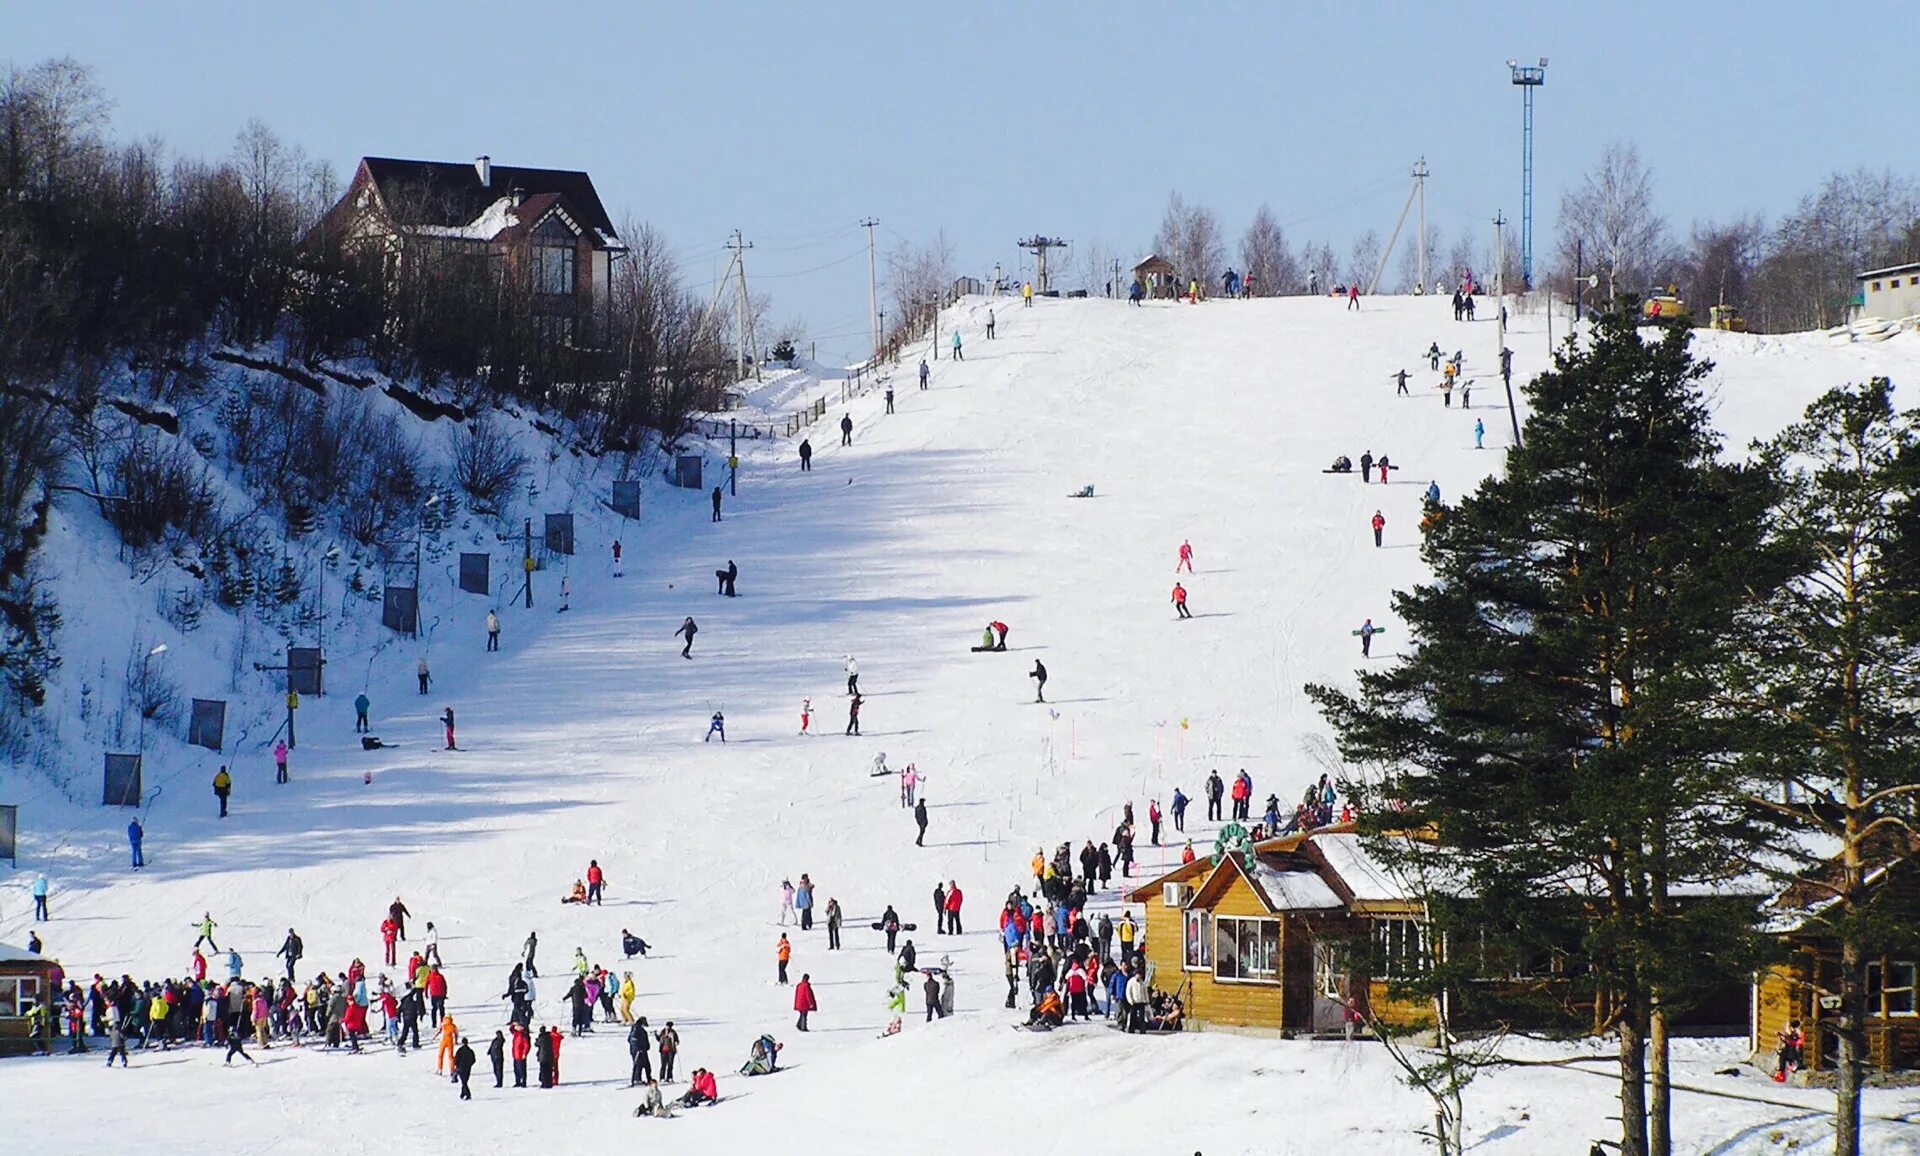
(1189, 236)
(1612, 218)
(1267, 257)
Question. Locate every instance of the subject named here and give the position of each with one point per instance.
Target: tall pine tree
(1553, 723)
(1832, 682)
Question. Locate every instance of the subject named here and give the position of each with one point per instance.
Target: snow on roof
(11, 954)
(1361, 872)
(497, 219)
(1887, 270)
(1291, 890)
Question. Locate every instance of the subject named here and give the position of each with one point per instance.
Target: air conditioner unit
(1175, 894)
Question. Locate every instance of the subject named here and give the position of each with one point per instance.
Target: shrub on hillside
(486, 463)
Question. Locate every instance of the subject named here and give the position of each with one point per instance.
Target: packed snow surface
(582, 739)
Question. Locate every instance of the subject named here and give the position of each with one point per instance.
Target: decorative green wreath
(1232, 837)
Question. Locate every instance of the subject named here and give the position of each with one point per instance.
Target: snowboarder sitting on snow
(986, 640)
(718, 726)
(1342, 465)
(763, 1058)
(703, 1090)
(578, 894)
(1048, 1014)
(632, 944)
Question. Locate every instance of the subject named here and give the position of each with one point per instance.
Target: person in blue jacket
(1060, 923)
(1179, 808)
(1116, 989)
(40, 899)
(956, 346)
(360, 707)
(135, 833)
(1433, 493)
(718, 726)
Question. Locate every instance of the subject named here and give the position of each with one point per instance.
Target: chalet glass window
(1198, 938)
(1401, 947)
(1895, 984)
(1246, 949)
(553, 257)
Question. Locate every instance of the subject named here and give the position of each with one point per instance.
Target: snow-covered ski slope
(582, 739)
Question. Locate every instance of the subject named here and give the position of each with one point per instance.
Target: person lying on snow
(763, 1058)
(1048, 1014)
(579, 894)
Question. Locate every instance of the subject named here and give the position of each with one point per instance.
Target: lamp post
(142, 704)
(1527, 78)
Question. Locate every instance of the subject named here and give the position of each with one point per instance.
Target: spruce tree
(1553, 723)
(1831, 681)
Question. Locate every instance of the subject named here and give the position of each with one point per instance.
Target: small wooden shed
(1159, 277)
(25, 980)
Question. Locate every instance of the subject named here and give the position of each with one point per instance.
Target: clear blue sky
(791, 121)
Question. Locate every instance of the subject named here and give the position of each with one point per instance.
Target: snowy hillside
(582, 739)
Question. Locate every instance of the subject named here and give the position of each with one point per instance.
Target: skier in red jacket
(1186, 558)
(1180, 600)
(1379, 523)
(522, 1048)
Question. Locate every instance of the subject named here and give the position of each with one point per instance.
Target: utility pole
(1116, 279)
(1418, 190)
(526, 558)
(733, 458)
(1038, 246)
(1420, 183)
(744, 337)
(1500, 300)
(873, 293)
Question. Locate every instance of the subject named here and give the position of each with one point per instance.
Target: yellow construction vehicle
(1728, 318)
(1667, 306)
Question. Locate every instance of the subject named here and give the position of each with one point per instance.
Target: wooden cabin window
(18, 995)
(1401, 947)
(1892, 983)
(1197, 936)
(1246, 950)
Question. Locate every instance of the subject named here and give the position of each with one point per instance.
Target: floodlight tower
(1528, 78)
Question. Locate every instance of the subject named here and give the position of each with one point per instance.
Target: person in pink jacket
(909, 779)
(280, 760)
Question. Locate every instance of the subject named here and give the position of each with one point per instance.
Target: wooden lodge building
(1805, 986)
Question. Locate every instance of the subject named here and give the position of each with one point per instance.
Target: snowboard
(903, 927)
(1377, 631)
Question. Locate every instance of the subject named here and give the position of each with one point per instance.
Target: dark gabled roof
(456, 195)
(1816, 888)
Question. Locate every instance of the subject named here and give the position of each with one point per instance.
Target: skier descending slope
(689, 628)
(1180, 600)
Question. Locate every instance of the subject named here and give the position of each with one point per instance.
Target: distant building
(546, 225)
(1890, 293)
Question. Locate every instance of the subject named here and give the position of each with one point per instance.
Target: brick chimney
(484, 166)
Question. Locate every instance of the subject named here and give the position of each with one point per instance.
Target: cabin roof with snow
(1154, 263)
(478, 198)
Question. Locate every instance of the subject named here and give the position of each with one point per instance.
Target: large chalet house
(545, 225)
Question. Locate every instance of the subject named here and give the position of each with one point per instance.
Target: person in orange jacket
(1180, 600)
(449, 1040)
(783, 953)
(1379, 523)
